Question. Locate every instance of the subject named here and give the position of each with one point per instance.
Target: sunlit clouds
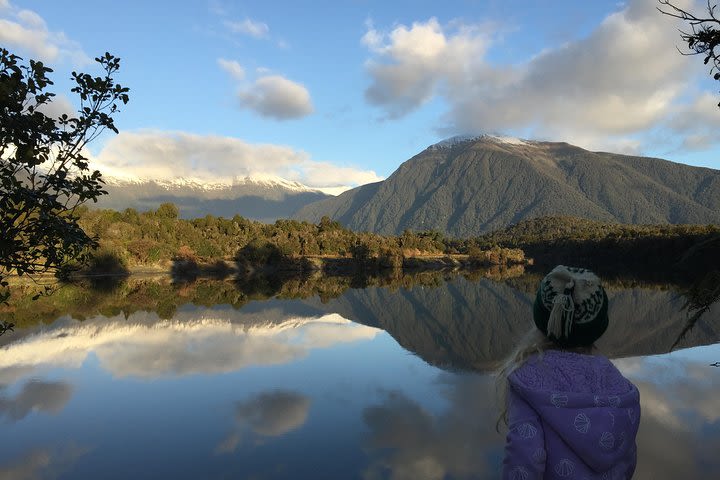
(607, 89)
(269, 95)
(26, 29)
(276, 97)
(159, 155)
(412, 64)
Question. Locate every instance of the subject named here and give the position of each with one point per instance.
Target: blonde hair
(533, 343)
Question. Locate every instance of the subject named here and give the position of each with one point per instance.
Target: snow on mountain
(260, 180)
(257, 196)
(458, 139)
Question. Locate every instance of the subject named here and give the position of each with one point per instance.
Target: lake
(319, 379)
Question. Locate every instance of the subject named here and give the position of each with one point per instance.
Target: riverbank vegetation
(209, 246)
(160, 239)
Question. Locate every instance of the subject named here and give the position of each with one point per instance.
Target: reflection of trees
(703, 263)
(165, 295)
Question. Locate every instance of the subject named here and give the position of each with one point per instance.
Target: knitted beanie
(571, 307)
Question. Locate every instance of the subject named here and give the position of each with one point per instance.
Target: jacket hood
(586, 401)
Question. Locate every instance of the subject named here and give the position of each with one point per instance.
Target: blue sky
(339, 93)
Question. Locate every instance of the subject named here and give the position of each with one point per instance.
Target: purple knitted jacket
(571, 416)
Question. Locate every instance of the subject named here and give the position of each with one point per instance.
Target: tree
(44, 173)
(703, 38)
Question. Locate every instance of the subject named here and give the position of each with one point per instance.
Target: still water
(370, 383)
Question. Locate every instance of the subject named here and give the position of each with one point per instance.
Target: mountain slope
(263, 199)
(471, 186)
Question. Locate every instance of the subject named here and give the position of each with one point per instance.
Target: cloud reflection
(42, 463)
(679, 435)
(206, 342)
(680, 427)
(36, 396)
(268, 414)
(408, 441)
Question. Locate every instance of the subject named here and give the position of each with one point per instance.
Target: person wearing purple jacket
(570, 413)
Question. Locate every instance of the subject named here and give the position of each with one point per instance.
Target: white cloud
(162, 155)
(412, 63)
(249, 27)
(276, 97)
(698, 122)
(59, 104)
(26, 30)
(270, 95)
(623, 79)
(232, 67)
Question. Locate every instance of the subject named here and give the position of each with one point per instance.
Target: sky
(336, 94)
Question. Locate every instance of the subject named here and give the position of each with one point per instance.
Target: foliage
(495, 256)
(160, 236)
(44, 175)
(703, 38)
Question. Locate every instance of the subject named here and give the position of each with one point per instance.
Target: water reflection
(198, 341)
(40, 463)
(324, 387)
(408, 441)
(680, 426)
(269, 414)
(35, 396)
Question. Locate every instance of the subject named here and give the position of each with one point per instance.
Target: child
(570, 414)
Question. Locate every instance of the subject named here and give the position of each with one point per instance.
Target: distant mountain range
(263, 198)
(471, 185)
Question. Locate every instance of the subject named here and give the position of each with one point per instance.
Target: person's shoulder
(561, 370)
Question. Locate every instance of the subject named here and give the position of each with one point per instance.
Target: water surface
(369, 383)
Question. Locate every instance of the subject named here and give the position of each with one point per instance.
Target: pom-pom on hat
(571, 307)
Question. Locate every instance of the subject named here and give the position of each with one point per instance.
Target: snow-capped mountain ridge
(263, 180)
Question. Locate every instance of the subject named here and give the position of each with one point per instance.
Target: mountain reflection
(473, 325)
(269, 414)
(202, 341)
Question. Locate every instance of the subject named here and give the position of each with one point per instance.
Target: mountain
(470, 185)
(263, 198)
